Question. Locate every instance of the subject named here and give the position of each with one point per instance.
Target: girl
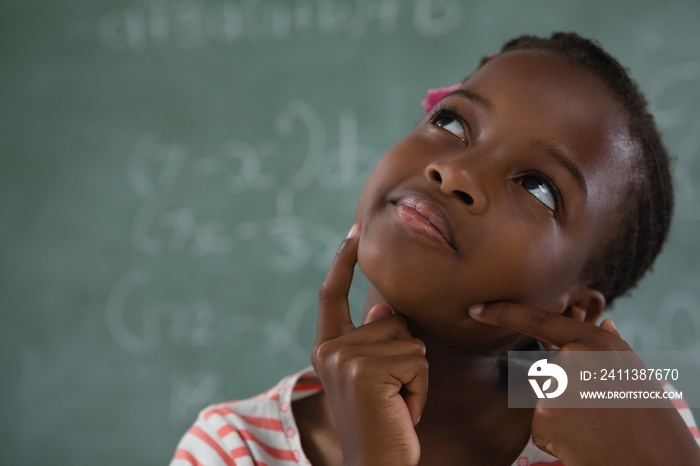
(531, 196)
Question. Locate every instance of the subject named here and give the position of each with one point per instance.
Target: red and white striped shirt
(261, 431)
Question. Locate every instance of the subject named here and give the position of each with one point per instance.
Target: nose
(456, 180)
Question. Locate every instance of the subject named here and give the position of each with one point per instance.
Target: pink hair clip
(435, 95)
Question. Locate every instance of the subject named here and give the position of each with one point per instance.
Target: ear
(585, 305)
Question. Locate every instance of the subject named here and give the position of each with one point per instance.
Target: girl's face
(503, 192)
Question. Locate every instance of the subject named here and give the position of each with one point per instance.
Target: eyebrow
(557, 153)
(473, 97)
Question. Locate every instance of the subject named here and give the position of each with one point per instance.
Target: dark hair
(646, 218)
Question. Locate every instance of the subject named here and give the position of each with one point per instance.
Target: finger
(535, 322)
(415, 385)
(609, 325)
(382, 349)
(378, 311)
(409, 373)
(392, 327)
(333, 310)
(549, 346)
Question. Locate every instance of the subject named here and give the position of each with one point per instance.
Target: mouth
(425, 217)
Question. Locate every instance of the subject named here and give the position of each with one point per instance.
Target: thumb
(378, 311)
(609, 325)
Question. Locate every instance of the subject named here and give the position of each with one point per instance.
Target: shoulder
(533, 456)
(684, 411)
(259, 429)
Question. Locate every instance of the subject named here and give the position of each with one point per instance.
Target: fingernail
(612, 324)
(476, 310)
(353, 231)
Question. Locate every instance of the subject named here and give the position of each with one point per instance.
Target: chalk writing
(190, 393)
(668, 93)
(670, 110)
(291, 242)
(159, 228)
(193, 24)
(679, 319)
(170, 223)
(140, 323)
(641, 334)
(155, 166)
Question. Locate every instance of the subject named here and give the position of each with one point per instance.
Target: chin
(401, 290)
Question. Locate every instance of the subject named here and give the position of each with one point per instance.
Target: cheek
(539, 272)
(367, 255)
(399, 275)
(379, 270)
(375, 189)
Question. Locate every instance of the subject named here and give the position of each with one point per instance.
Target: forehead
(539, 94)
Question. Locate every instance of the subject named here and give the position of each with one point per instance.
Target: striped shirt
(261, 431)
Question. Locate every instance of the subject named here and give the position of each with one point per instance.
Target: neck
(469, 377)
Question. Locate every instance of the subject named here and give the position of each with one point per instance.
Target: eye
(450, 121)
(543, 189)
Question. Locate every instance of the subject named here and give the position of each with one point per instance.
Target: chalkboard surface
(175, 177)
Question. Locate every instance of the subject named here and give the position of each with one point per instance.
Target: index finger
(334, 317)
(532, 321)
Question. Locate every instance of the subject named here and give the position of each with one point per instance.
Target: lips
(426, 217)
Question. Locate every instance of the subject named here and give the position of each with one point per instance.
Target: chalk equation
(143, 318)
(178, 190)
(238, 201)
(193, 24)
(189, 393)
(679, 319)
(296, 154)
(673, 323)
(668, 92)
(140, 323)
(285, 243)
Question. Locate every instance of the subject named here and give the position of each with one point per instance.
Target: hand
(375, 376)
(594, 436)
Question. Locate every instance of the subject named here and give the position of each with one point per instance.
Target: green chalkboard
(175, 177)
